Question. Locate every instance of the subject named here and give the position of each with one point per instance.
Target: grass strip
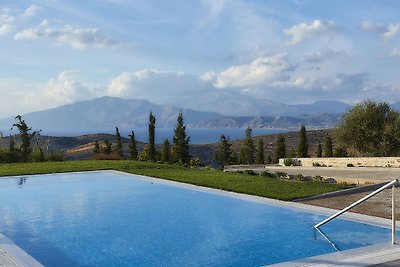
(236, 182)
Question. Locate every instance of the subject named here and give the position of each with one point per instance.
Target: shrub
(56, 156)
(195, 162)
(10, 157)
(288, 162)
(329, 180)
(350, 165)
(299, 177)
(317, 178)
(282, 175)
(316, 164)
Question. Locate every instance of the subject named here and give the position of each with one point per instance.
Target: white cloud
(30, 12)
(392, 31)
(156, 85)
(259, 72)
(67, 88)
(74, 36)
(5, 28)
(6, 20)
(208, 76)
(6, 16)
(387, 32)
(304, 31)
(371, 26)
(320, 56)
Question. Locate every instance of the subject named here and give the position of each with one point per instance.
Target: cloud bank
(73, 36)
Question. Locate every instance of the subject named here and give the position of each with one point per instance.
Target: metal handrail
(392, 183)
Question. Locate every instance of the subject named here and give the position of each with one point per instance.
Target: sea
(197, 135)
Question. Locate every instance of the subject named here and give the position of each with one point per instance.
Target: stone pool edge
(366, 256)
(13, 255)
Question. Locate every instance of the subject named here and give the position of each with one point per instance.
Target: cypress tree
(166, 151)
(248, 149)
(260, 152)
(242, 156)
(225, 154)
(181, 142)
(302, 149)
(319, 150)
(152, 145)
(132, 152)
(269, 159)
(119, 143)
(280, 150)
(292, 153)
(328, 147)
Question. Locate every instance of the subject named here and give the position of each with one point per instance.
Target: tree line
(369, 128)
(177, 152)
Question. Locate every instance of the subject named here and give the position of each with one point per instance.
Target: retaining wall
(344, 162)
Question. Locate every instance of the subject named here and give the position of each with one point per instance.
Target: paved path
(355, 174)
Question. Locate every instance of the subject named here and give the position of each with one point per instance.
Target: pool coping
(13, 255)
(365, 256)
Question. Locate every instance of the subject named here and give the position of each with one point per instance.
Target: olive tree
(371, 129)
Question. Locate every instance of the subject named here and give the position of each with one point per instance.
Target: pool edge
(13, 255)
(357, 257)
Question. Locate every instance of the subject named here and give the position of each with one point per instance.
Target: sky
(56, 52)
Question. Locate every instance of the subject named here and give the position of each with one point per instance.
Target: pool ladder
(390, 184)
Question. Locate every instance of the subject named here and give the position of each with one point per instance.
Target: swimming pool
(113, 219)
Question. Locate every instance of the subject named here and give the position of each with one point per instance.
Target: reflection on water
(21, 181)
(326, 237)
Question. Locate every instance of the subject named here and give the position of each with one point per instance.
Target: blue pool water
(110, 219)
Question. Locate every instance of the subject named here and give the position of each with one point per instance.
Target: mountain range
(107, 112)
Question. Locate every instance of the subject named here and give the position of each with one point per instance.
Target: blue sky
(56, 52)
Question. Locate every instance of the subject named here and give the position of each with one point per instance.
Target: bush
(195, 162)
(316, 164)
(300, 177)
(349, 165)
(56, 156)
(288, 161)
(10, 157)
(330, 180)
(282, 175)
(317, 178)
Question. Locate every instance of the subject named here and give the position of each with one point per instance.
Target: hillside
(324, 120)
(81, 147)
(105, 112)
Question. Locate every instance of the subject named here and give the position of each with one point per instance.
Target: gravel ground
(379, 205)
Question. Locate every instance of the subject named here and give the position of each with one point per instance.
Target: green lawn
(242, 183)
